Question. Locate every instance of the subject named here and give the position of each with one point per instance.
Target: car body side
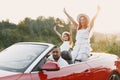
(98, 67)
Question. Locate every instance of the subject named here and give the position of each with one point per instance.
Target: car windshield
(18, 57)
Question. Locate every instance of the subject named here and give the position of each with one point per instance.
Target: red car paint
(94, 69)
(98, 67)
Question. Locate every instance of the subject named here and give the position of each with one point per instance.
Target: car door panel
(79, 71)
(99, 72)
(25, 76)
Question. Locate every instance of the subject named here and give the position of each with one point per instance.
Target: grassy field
(107, 44)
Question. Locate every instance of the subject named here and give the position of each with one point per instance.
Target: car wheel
(114, 76)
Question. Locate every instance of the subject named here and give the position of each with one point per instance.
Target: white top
(82, 36)
(60, 61)
(65, 46)
(82, 47)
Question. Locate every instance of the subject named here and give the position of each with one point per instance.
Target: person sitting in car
(56, 56)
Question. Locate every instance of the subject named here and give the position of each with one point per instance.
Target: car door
(25, 76)
(78, 71)
(98, 69)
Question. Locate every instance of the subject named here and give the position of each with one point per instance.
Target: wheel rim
(114, 77)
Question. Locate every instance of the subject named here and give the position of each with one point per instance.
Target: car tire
(114, 76)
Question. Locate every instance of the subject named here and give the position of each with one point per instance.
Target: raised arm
(70, 18)
(71, 40)
(93, 19)
(60, 36)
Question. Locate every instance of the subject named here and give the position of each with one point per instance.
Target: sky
(106, 22)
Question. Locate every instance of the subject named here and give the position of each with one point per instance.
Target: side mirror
(50, 66)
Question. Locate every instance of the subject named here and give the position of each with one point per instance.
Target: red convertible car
(27, 61)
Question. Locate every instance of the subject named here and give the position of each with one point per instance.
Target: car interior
(66, 55)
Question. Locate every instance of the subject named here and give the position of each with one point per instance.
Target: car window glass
(41, 62)
(20, 57)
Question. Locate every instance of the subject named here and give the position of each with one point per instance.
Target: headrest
(66, 55)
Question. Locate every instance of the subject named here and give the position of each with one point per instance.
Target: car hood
(7, 73)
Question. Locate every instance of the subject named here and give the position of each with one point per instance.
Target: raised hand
(64, 10)
(94, 17)
(70, 18)
(55, 28)
(98, 8)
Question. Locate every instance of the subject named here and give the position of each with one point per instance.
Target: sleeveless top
(65, 46)
(82, 36)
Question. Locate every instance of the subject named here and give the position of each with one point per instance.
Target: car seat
(67, 56)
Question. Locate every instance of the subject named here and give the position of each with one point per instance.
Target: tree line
(41, 30)
(31, 30)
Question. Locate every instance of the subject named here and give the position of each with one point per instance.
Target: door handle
(87, 71)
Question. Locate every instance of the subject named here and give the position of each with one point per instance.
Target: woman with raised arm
(66, 38)
(81, 50)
